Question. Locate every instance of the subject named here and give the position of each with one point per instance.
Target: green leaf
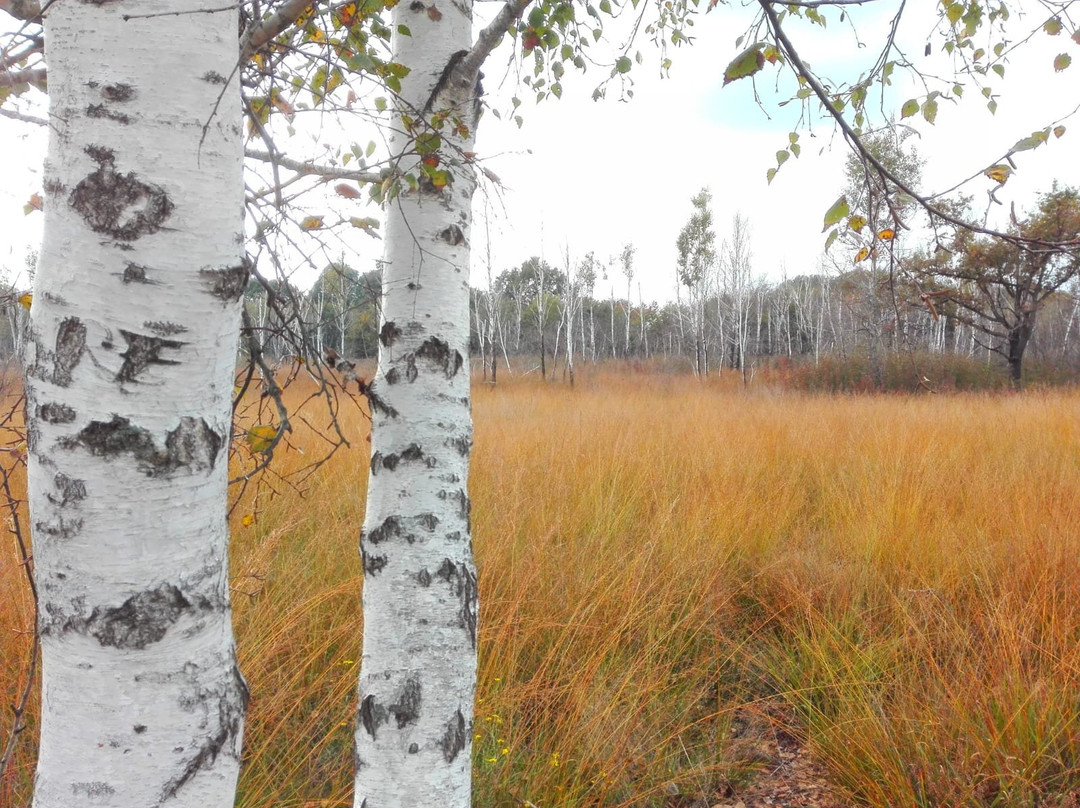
(747, 63)
(782, 157)
(605, 6)
(910, 108)
(1052, 26)
(838, 211)
(623, 65)
(929, 110)
(769, 175)
(404, 30)
(1027, 144)
(1062, 61)
(832, 237)
(368, 224)
(999, 69)
(380, 104)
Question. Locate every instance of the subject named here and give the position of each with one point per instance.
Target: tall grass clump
(672, 568)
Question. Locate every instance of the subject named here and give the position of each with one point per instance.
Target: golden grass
(897, 579)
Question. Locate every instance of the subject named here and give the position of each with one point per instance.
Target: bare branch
(26, 10)
(886, 175)
(262, 31)
(489, 37)
(34, 77)
(325, 172)
(19, 116)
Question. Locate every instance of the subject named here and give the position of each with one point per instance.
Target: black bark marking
(373, 564)
(377, 405)
(61, 529)
(165, 328)
(410, 368)
(139, 729)
(193, 443)
(462, 582)
(468, 605)
(406, 709)
(70, 344)
(213, 77)
(429, 521)
(389, 334)
(376, 462)
(462, 444)
(56, 413)
(390, 462)
(70, 489)
(232, 702)
(53, 187)
(117, 93)
(417, 7)
(452, 235)
(453, 739)
(390, 528)
(101, 111)
(135, 273)
(97, 788)
(393, 376)
(414, 748)
(438, 353)
(141, 620)
(372, 715)
(118, 205)
(412, 453)
(227, 284)
(423, 578)
(143, 351)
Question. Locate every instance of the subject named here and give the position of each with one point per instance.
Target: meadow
(673, 575)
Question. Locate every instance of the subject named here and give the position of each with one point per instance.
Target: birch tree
(129, 376)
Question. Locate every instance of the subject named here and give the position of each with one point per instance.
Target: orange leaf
(311, 223)
(33, 204)
(888, 234)
(862, 255)
(248, 520)
(346, 190)
(999, 173)
(26, 300)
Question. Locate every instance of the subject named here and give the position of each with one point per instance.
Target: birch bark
(418, 669)
(129, 377)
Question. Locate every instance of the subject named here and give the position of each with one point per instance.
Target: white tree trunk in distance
(418, 670)
(129, 376)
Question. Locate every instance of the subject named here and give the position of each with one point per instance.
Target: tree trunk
(418, 669)
(129, 377)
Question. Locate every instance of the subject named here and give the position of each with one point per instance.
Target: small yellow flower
(554, 762)
(505, 751)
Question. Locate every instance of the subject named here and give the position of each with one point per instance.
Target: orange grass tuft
(895, 579)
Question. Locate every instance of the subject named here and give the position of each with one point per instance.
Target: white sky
(597, 175)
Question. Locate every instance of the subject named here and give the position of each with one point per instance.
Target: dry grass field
(675, 574)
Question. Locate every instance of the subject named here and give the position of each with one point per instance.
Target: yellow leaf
(999, 173)
(248, 520)
(857, 223)
(261, 437)
(26, 300)
(862, 255)
(311, 223)
(888, 234)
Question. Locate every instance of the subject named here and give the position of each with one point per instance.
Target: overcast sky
(596, 175)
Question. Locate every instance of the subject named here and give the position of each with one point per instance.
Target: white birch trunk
(129, 377)
(418, 669)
